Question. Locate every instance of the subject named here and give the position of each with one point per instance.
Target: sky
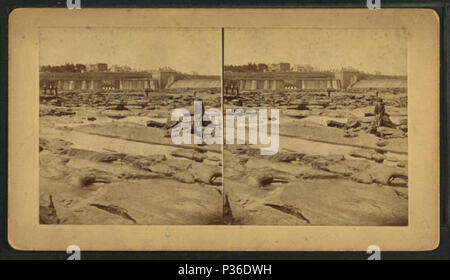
(184, 49)
(369, 50)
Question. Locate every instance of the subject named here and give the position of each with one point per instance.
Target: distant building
(98, 67)
(102, 67)
(279, 67)
(120, 69)
(304, 68)
(91, 68)
(80, 68)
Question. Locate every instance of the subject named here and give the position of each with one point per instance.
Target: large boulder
(353, 122)
(332, 123)
(387, 132)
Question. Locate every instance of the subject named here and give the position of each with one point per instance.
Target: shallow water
(322, 120)
(107, 144)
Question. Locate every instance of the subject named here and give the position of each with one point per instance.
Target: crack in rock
(227, 213)
(291, 210)
(47, 214)
(116, 210)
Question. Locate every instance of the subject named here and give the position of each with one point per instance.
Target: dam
(123, 81)
(248, 81)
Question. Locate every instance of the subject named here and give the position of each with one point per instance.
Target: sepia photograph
(106, 96)
(223, 129)
(339, 99)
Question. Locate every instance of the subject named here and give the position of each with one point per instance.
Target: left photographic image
(107, 102)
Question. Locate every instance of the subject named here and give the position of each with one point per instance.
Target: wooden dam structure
(244, 81)
(122, 81)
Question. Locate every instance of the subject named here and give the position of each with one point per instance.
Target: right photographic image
(315, 127)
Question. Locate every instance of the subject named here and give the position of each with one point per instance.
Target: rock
(114, 209)
(55, 102)
(266, 164)
(181, 164)
(139, 176)
(90, 179)
(362, 177)
(56, 112)
(302, 106)
(144, 162)
(377, 157)
(264, 178)
(358, 165)
(361, 153)
(403, 127)
(284, 157)
(290, 210)
(398, 182)
(387, 132)
(189, 154)
(162, 168)
(108, 157)
(227, 212)
(381, 143)
(47, 214)
(115, 115)
(353, 123)
(91, 119)
(335, 158)
(350, 134)
(384, 174)
(339, 168)
(205, 173)
(184, 176)
(171, 124)
(120, 107)
(403, 122)
(314, 174)
(401, 192)
(332, 123)
(155, 124)
(367, 154)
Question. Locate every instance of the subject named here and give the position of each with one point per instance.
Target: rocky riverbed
(107, 158)
(102, 162)
(330, 169)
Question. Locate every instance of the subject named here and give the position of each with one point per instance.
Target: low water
(107, 144)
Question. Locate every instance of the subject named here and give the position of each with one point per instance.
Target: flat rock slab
(320, 202)
(139, 133)
(155, 201)
(336, 136)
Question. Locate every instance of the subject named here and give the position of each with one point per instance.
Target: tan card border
(422, 233)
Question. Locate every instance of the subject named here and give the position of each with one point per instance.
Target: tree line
(250, 67)
(68, 67)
